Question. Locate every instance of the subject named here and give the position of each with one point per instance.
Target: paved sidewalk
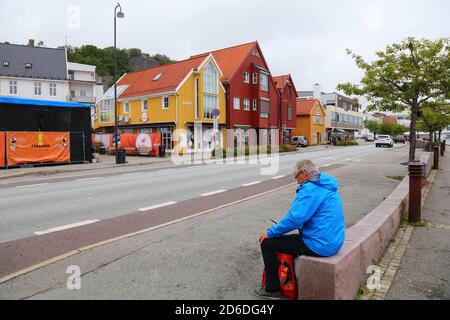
(424, 272)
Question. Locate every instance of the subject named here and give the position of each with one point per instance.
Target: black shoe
(262, 293)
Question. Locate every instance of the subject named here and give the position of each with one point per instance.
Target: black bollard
(415, 170)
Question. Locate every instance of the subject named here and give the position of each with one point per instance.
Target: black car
(399, 139)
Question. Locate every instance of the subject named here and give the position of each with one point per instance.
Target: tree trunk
(430, 142)
(412, 132)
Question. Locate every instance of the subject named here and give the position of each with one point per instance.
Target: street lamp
(120, 15)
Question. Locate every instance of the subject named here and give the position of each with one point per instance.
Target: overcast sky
(305, 38)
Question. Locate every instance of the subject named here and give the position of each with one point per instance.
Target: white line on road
(279, 177)
(131, 174)
(32, 185)
(168, 170)
(251, 184)
(157, 206)
(213, 193)
(88, 179)
(326, 165)
(69, 226)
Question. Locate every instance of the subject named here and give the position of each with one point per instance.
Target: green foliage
(391, 129)
(407, 75)
(347, 143)
(103, 59)
(373, 126)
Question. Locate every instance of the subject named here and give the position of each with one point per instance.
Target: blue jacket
(317, 211)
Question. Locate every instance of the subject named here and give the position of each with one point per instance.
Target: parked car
(370, 138)
(399, 139)
(384, 140)
(300, 141)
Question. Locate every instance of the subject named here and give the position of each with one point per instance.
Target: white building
(33, 72)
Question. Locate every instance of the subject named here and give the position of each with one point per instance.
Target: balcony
(81, 99)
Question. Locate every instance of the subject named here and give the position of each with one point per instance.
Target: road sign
(216, 112)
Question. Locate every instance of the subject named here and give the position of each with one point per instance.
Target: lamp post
(120, 15)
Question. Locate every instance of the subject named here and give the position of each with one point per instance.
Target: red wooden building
(286, 107)
(251, 95)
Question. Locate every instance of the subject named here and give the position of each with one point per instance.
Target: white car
(300, 141)
(384, 140)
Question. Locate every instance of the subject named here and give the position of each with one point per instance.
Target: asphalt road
(38, 205)
(214, 256)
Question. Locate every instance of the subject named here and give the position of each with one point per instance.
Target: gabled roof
(46, 63)
(304, 107)
(281, 81)
(142, 83)
(230, 59)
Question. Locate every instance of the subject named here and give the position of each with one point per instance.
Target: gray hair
(305, 166)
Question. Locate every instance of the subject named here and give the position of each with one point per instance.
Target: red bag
(286, 272)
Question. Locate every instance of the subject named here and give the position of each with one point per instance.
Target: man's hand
(263, 237)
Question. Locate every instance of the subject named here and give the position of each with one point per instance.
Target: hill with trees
(103, 58)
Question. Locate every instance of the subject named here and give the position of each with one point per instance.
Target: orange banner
(38, 147)
(2, 149)
(138, 144)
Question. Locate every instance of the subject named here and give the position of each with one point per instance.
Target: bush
(254, 150)
(347, 143)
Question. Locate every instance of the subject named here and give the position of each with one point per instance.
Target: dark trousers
(290, 244)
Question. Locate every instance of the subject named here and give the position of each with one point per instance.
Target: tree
(434, 118)
(373, 127)
(404, 76)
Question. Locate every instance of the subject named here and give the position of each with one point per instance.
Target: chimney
(31, 42)
(317, 94)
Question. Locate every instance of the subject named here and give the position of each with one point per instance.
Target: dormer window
(6, 63)
(28, 65)
(158, 76)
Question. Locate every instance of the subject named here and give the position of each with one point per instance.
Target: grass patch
(405, 223)
(253, 150)
(398, 178)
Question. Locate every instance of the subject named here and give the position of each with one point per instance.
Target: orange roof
(141, 83)
(304, 107)
(390, 119)
(280, 81)
(230, 59)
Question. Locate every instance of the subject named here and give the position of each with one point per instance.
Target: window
(333, 116)
(210, 79)
(157, 77)
(72, 94)
(237, 103)
(82, 93)
(126, 107)
(210, 90)
(289, 111)
(247, 104)
(165, 103)
(255, 78)
(106, 111)
(144, 105)
(28, 65)
(6, 64)
(265, 108)
(53, 89)
(37, 89)
(255, 105)
(209, 105)
(246, 77)
(13, 87)
(264, 82)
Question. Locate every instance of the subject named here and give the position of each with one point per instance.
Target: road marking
(131, 174)
(168, 170)
(251, 184)
(88, 179)
(157, 206)
(213, 193)
(279, 177)
(326, 165)
(69, 226)
(32, 185)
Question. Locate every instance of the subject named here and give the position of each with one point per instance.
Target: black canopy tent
(17, 114)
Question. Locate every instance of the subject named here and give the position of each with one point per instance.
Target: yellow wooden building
(310, 121)
(180, 101)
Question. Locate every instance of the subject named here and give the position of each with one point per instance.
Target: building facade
(177, 100)
(287, 100)
(251, 95)
(342, 117)
(310, 117)
(33, 72)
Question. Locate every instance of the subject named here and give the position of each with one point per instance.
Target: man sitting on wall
(317, 213)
